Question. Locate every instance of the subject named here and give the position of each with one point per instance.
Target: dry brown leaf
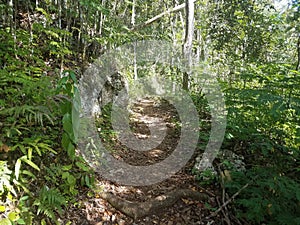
(4, 148)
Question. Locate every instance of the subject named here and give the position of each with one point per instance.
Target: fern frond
(49, 201)
(34, 114)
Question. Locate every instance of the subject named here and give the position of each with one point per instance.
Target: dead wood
(137, 210)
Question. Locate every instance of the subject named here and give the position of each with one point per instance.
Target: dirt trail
(180, 210)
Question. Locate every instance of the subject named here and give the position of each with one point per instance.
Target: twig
(227, 202)
(207, 192)
(225, 212)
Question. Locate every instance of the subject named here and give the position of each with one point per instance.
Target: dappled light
(150, 112)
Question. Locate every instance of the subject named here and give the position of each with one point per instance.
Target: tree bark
(188, 42)
(134, 47)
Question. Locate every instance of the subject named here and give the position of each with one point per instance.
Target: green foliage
(251, 47)
(29, 111)
(69, 178)
(49, 200)
(70, 110)
(206, 177)
(270, 198)
(105, 129)
(263, 126)
(263, 109)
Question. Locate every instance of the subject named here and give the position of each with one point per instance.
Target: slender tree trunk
(298, 53)
(29, 7)
(59, 14)
(134, 53)
(12, 8)
(188, 42)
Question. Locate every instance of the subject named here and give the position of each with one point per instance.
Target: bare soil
(95, 209)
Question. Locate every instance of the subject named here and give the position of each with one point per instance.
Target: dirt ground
(93, 210)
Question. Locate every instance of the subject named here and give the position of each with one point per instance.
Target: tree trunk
(134, 56)
(188, 42)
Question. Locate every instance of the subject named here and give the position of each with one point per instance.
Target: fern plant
(32, 114)
(49, 202)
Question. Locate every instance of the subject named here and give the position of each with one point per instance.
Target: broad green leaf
(65, 141)
(13, 216)
(5, 222)
(21, 221)
(2, 208)
(24, 198)
(67, 125)
(71, 151)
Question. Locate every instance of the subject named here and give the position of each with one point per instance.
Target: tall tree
(188, 41)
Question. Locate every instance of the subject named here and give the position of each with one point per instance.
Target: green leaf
(29, 153)
(298, 195)
(71, 151)
(2, 208)
(17, 168)
(5, 222)
(30, 163)
(87, 180)
(71, 180)
(24, 198)
(65, 175)
(82, 166)
(21, 221)
(73, 76)
(63, 81)
(67, 167)
(67, 125)
(13, 216)
(26, 172)
(65, 141)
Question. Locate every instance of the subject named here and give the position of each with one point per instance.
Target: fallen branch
(137, 210)
(227, 202)
(175, 9)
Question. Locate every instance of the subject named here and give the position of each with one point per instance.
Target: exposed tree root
(137, 210)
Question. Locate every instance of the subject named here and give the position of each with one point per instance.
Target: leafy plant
(70, 110)
(270, 198)
(206, 177)
(49, 201)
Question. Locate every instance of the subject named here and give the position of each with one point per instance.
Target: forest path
(176, 200)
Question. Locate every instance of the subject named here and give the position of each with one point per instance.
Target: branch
(175, 9)
(227, 202)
